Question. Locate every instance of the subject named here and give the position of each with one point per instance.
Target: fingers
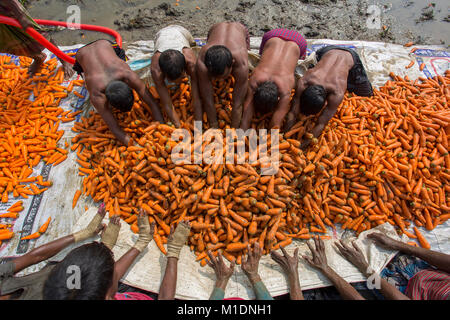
(296, 254)
(321, 243)
(276, 256)
(357, 248)
(316, 242)
(310, 247)
(284, 252)
(211, 261)
(307, 259)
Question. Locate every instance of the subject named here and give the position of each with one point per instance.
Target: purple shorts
(287, 35)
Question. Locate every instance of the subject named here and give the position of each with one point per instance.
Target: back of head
(266, 97)
(172, 63)
(217, 59)
(119, 95)
(95, 263)
(312, 100)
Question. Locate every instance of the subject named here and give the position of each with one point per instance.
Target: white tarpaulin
(195, 282)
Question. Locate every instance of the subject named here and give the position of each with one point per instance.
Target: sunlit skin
(233, 36)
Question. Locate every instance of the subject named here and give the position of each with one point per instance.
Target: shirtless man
(109, 81)
(173, 60)
(225, 53)
(338, 69)
(273, 79)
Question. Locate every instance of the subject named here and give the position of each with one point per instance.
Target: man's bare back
(101, 65)
(331, 72)
(230, 35)
(102, 69)
(277, 64)
(234, 37)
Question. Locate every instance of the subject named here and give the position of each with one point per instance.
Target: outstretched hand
(251, 261)
(383, 240)
(319, 259)
(288, 263)
(223, 273)
(354, 255)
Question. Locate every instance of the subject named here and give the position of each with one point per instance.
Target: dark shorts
(357, 81)
(287, 35)
(117, 49)
(247, 36)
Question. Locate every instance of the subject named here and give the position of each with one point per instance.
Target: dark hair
(119, 95)
(217, 58)
(266, 97)
(312, 100)
(96, 263)
(172, 63)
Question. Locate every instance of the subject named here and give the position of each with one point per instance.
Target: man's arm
(437, 259)
(250, 267)
(249, 110)
(239, 92)
(333, 102)
(196, 99)
(102, 106)
(207, 94)
(158, 78)
(138, 85)
(291, 117)
(356, 257)
(175, 242)
(48, 250)
(290, 267)
(123, 264)
(319, 261)
(42, 253)
(280, 112)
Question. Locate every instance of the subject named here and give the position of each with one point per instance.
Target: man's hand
(319, 259)
(178, 239)
(384, 241)
(287, 263)
(354, 255)
(223, 273)
(251, 262)
(145, 231)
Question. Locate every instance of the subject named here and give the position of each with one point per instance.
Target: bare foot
(38, 60)
(68, 70)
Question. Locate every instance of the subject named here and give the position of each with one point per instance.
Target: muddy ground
(401, 21)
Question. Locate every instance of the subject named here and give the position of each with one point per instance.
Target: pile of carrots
(380, 159)
(29, 120)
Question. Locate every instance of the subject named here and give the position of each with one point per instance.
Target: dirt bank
(401, 20)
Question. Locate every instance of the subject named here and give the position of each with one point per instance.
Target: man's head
(172, 64)
(119, 95)
(265, 98)
(312, 100)
(93, 263)
(218, 61)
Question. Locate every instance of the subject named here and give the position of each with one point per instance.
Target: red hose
(39, 38)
